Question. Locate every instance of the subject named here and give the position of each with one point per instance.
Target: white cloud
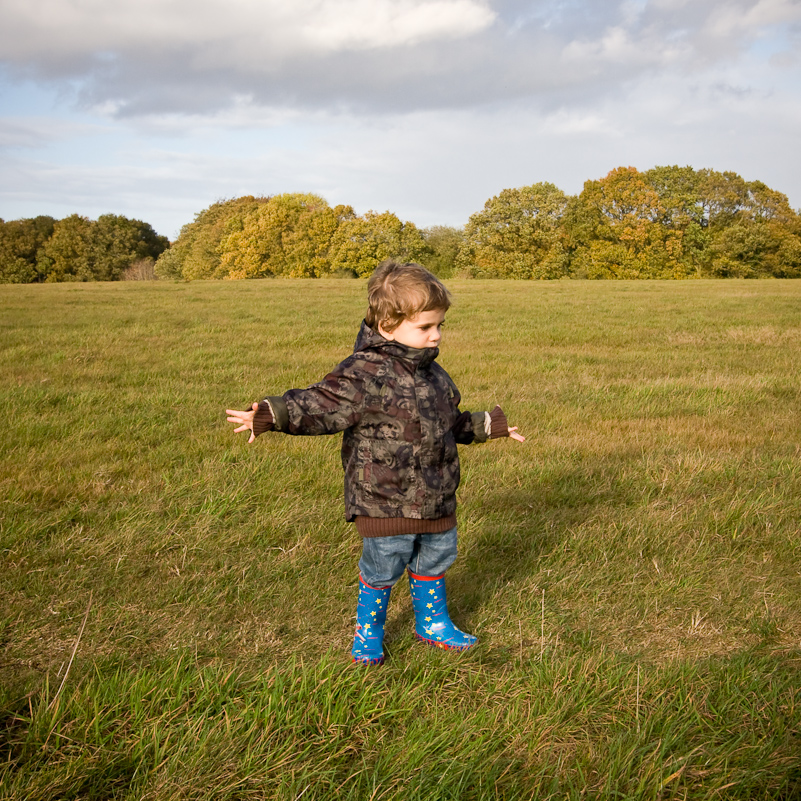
(736, 19)
(371, 24)
(570, 122)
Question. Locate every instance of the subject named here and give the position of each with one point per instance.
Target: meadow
(177, 607)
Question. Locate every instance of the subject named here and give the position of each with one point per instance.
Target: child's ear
(384, 333)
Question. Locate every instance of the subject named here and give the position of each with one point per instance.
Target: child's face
(424, 330)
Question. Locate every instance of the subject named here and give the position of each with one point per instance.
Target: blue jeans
(385, 558)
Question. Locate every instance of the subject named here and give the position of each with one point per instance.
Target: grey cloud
(545, 53)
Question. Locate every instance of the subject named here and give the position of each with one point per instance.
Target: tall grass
(631, 571)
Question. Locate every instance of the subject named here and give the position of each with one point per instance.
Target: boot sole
(378, 661)
(444, 645)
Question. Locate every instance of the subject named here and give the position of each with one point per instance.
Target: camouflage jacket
(399, 411)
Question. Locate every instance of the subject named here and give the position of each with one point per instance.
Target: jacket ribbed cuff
(263, 420)
(499, 425)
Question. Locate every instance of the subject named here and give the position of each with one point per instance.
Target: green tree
(723, 196)
(444, 243)
(679, 191)
(517, 235)
(82, 250)
(118, 242)
(67, 255)
(753, 231)
(768, 205)
(755, 249)
(681, 216)
(21, 244)
(361, 243)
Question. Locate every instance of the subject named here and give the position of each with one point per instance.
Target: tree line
(43, 249)
(666, 222)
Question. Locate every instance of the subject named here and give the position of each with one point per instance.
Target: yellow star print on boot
(433, 625)
(371, 614)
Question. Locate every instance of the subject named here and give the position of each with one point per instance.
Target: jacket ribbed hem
(393, 526)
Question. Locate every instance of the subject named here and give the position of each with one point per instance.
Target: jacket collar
(367, 339)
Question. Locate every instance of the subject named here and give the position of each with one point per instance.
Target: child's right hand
(244, 420)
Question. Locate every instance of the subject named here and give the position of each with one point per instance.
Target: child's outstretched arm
(481, 426)
(244, 420)
(328, 407)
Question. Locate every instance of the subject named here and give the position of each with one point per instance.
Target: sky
(155, 109)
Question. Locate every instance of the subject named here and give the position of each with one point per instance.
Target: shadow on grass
(518, 527)
(507, 532)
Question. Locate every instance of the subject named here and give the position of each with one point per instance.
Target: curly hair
(398, 292)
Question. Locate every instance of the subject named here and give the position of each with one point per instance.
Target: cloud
(244, 33)
(134, 57)
(368, 25)
(31, 133)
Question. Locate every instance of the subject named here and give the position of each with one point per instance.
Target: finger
(255, 406)
(242, 428)
(252, 438)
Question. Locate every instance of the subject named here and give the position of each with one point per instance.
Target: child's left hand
(514, 435)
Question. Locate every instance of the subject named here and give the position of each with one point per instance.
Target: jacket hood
(367, 339)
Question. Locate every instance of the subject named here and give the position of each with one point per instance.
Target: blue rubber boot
(371, 614)
(432, 622)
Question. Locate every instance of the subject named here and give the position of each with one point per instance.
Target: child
(399, 411)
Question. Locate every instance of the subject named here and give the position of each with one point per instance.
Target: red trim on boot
(425, 578)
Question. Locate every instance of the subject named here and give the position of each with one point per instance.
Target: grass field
(176, 607)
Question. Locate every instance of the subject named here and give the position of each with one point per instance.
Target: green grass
(632, 570)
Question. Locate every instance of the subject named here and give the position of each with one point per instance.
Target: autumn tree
(619, 238)
(196, 253)
(517, 235)
(289, 235)
(360, 243)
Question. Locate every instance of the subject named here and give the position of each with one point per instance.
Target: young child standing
(399, 411)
